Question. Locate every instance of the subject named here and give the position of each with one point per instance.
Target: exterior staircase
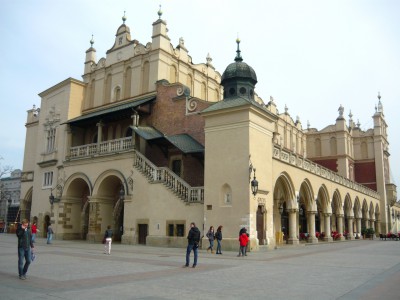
(165, 176)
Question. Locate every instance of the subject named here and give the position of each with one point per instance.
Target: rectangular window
(176, 228)
(171, 230)
(48, 179)
(177, 167)
(51, 139)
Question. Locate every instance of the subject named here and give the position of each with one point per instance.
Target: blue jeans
(188, 250)
(211, 244)
(219, 246)
(23, 253)
(49, 238)
(33, 237)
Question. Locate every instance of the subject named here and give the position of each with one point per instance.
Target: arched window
(364, 150)
(317, 147)
(333, 146)
(189, 83)
(107, 92)
(117, 93)
(172, 74)
(203, 91)
(145, 77)
(128, 83)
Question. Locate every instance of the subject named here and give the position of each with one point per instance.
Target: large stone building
(10, 189)
(149, 141)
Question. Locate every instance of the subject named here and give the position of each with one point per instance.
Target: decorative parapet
(164, 175)
(27, 176)
(316, 169)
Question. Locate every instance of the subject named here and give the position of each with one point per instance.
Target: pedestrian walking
(218, 237)
(25, 245)
(243, 240)
(210, 235)
(243, 230)
(108, 234)
(34, 231)
(50, 233)
(193, 244)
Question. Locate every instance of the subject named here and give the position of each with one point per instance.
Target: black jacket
(193, 236)
(24, 237)
(218, 235)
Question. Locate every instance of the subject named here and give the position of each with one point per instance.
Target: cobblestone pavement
(362, 269)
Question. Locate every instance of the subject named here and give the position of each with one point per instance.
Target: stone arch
(97, 189)
(365, 214)
(323, 199)
(347, 207)
(25, 205)
(307, 195)
(337, 211)
(106, 204)
(284, 199)
(76, 193)
(357, 208)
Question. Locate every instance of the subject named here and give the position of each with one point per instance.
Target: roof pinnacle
(238, 56)
(124, 18)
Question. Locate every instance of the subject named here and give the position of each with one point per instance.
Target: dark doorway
(142, 234)
(285, 222)
(260, 225)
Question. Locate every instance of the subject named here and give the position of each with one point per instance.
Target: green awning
(110, 110)
(183, 142)
(148, 133)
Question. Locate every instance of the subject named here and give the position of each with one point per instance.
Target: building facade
(148, 142)
(10, 190)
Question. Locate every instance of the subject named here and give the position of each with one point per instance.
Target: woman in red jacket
(243, 240)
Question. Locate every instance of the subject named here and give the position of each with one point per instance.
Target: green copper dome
(239, 69)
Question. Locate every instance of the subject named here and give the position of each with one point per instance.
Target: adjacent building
(149, 141)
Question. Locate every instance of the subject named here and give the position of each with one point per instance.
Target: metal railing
(169, 179)
(102, 148)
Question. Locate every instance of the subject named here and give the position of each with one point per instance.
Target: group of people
(194, 240)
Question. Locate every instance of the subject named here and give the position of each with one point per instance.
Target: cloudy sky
(312, 56)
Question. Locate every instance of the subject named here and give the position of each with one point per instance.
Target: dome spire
(238, 56)
(124, 18)
(159, 13)
(91, 41)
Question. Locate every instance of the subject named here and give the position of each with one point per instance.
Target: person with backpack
(218, 237)
(25, 245)
(193, 244)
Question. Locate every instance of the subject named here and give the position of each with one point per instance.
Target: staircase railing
(172, 181)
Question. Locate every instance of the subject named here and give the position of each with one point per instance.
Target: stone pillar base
(293, 241)
(342, 238)
(312, 240)
(328, 239)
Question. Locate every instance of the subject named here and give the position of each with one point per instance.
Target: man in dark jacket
(193, 244)
(24, 248)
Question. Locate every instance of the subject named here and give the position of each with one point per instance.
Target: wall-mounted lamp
(122, 193)
(301, 211)
(254, 184)
(53, 199)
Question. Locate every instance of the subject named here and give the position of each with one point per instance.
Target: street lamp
(122, 193)
(254, 184)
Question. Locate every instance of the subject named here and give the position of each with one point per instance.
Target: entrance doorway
(260, 225)
(142, 233)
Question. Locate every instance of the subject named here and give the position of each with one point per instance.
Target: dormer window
(120, 41)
